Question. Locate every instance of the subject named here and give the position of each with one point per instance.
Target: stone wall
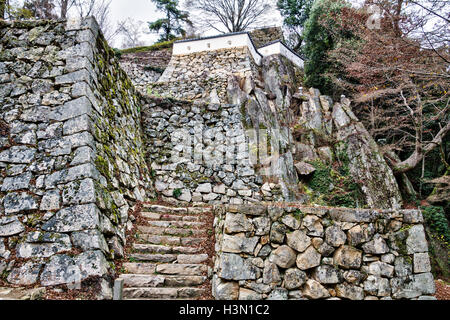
(196, 75)
(141, 75)
(263, 36)
(201, 150)
(298, 252)
(70, 152)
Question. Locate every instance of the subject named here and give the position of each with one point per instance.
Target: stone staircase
(169, 258)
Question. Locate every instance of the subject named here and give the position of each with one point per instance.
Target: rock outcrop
(331, 132)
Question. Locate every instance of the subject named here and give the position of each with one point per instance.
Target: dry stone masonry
(80, 146)
(298, 252)
(71, 153)
(201, 151)
(195, 76)
(263, 36)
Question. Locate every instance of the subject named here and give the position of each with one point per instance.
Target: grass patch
(154, 47)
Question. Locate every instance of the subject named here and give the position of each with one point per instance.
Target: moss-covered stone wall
(71, 153)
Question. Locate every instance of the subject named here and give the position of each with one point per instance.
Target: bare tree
(398, 76)
(64, 6)
(233, 15)
(41, 9)
(100, 10)
(131, 31)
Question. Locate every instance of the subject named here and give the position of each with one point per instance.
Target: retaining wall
(200, 152)
(71, 154)
(298, 252)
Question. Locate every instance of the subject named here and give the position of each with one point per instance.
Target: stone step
(192, 241)
(166, 258)
(157, 248)
(143, 280)
(192, 258)
(163, 293)
(171, 240)
(174, 210)
(139, 267)
(170, 217)
(170, 231)
(182, 269)
(157, 258)
(10, 293)
(168, 254)
(175, 224)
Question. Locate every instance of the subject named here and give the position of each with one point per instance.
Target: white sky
(138, 10)
(145, 11)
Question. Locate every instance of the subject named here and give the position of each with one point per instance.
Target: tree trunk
(63, 13)
(418, 154)
(2, 9)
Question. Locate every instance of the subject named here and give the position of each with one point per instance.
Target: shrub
(176, 193)
(437, 222)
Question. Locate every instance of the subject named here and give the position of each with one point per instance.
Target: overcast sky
(145, 11)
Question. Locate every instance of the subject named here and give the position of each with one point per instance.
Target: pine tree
(169, 27)
(295, 13)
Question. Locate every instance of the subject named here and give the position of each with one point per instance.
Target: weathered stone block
(237, 223)
(416, 241)
(71, 109)
(314, 290)
(15, 202)
(376, 246)
(294, 278)
(308, 259)
(76, 218)
(298, 240)
(10, 226)
(326, 274)
(349, 292)
(283, 256)
(348, 257)
(335, 236)
(25, 275)
(239, 243)
(233, 267)
(421, 263)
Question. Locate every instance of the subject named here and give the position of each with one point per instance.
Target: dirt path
(442, 290)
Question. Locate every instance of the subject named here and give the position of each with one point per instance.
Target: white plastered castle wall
(217, 43)
(280, 48)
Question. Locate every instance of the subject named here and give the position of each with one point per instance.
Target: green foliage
(437, 222)
(170, 27)
(154, 47)
(153, 68)
(321, 179)
(318, 41)
(295, 12)
(16, 12)
(176, 193)
(298, 214)
(117, 53)
(335, 187)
